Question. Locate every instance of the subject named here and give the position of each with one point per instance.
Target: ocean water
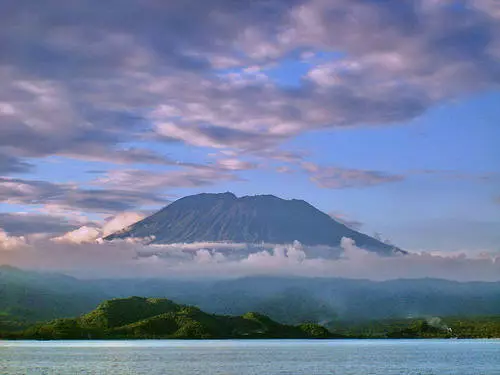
(248, 357)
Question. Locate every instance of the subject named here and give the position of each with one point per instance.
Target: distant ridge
(224, 217)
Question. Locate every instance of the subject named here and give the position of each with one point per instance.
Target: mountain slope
(250, 219)
(143, 318)
(27, 297)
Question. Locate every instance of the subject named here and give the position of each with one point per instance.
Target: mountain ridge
(223, 217)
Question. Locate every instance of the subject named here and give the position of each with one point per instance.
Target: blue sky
(384, 114)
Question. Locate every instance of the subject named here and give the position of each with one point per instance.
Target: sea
(252, 357)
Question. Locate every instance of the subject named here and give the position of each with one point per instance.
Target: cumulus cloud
(81, 235)
(95, 233)
(8, 242)
(135, 258)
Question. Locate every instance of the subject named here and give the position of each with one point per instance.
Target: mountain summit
(250, 219)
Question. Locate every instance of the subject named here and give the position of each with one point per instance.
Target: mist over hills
(27, 297)
(250, 219)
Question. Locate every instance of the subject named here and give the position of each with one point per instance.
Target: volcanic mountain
(250, 219)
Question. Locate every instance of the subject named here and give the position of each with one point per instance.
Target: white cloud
(8, 243)
(79, 236)
(94, 234)
(121, 221)
(134, 258)
(234, 164)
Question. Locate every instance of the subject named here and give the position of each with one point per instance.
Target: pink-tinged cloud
(102, 77)
(340, 178)
(135, 259)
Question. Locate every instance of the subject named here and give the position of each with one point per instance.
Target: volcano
(250, 219)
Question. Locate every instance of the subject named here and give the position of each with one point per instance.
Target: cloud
(70, 197)
(136, 259)
(35, 223)
(94, 233)
(233, 164)
(97, 82)
(61, 229)
(119, 190)
(10, 165)
(79, 236)
(284, 156)
(81, 79)
(143, 180)
(121, 221)
(341, 178)
(415, 45)
(8, 242)
(284, 169)
(394, 62)
(211, 135)
(343, 218)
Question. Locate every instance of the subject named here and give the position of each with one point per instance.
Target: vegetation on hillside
(433, 327)
(148, 318)
(27, 297)
(159, 318)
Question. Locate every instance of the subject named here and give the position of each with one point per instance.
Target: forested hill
(148, 318)
(27, 297)
(159, 318)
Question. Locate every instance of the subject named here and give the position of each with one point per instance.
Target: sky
(384, 114)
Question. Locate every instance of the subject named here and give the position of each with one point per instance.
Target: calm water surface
(263, 357)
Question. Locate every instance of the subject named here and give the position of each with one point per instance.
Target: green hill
(27, 297)
(147, 318)
(433, 327)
